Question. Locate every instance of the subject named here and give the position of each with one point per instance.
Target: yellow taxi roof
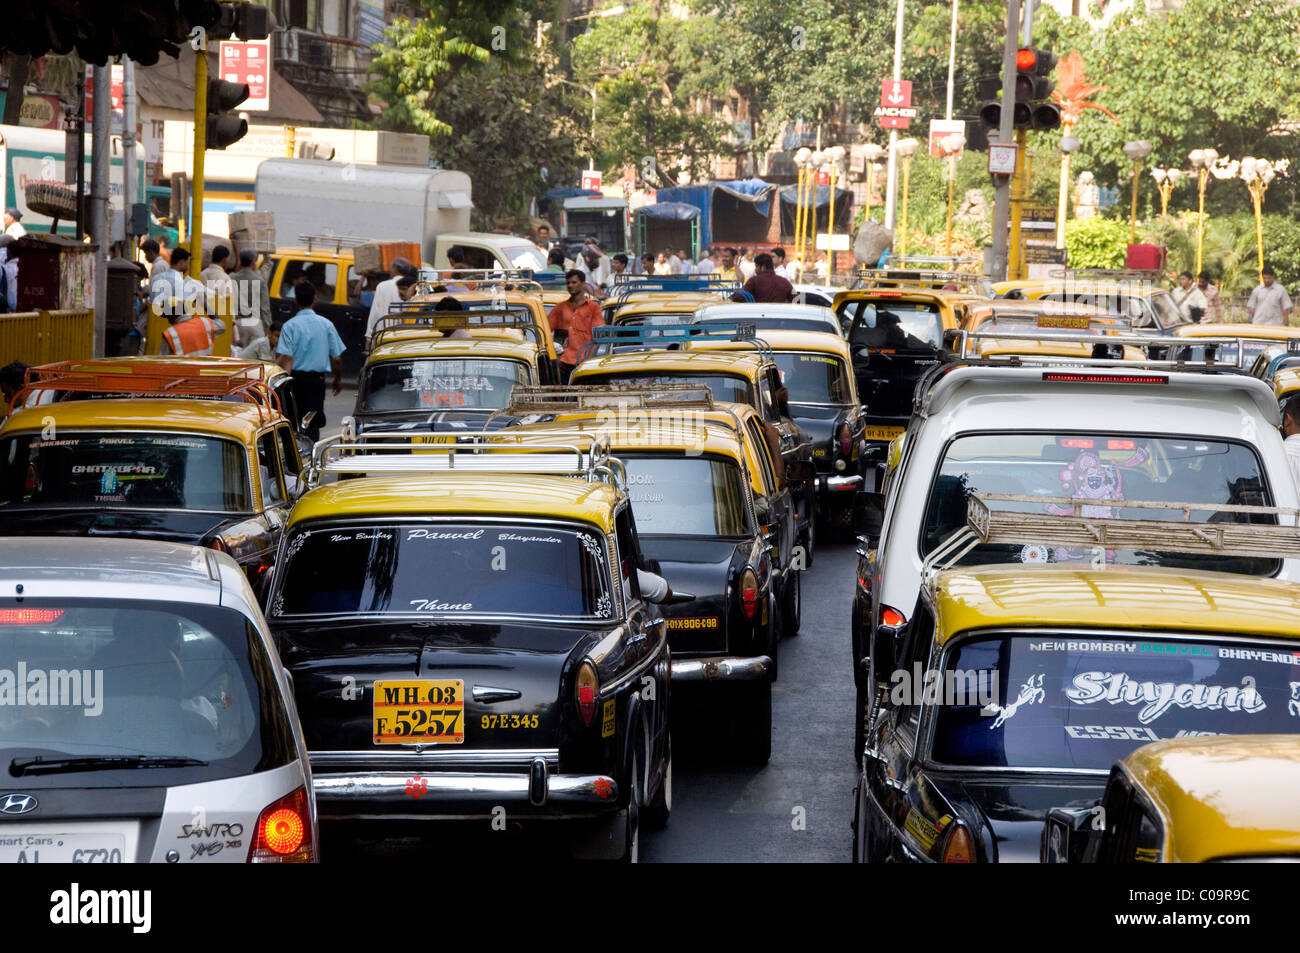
(473, 494)
(666, 430)
(783, 340)
(662, 302)
(1128, 597)
(488, 348)
(217, 417)
(650, 362)
(323, 252)
(1286, 381)
(1223, 796)
(906, 292)
(529, 298)
(1265, 332)
(995, 347)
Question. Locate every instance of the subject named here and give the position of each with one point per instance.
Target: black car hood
(698, 565)
(181, 526)
(817, 422)
(1016, 810)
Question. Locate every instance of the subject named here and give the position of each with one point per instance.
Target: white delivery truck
(323, 198)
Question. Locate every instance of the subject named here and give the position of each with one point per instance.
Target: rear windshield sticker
(819, 360)
(1293, 706)
(427, 384)
(433, 605)
(435, 534)
(1030, 692)
(1090, 479)
(1157, 698)
(359, 534)
(516, 538)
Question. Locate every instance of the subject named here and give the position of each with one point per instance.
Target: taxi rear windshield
(1085, 701)
(444, 568)
(1105, 468)
(441, 385)
(172, 471)
(722, 386)
(813, 378)
(893, 324)
(91, 679)
(679, 496)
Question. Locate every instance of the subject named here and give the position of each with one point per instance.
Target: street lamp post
(1166, 179)
(801, 159)
(905, 148)
(833, 155)
(1069, 145)
(874, 154)
(1137, 151)
(1257, 174)
(1202, 160)
(815, 163)
(951, 146)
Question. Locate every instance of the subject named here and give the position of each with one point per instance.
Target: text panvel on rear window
(80, 679)
(173, 471)
(894, 324)
(441, 384)
(1104, 468)
(734, 388)
(439, 568)
(813, 378)
(679, 496)
(1079, 700)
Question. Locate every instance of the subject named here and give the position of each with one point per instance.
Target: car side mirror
(762, 510)
(1070, 833)
(868, 515)
(308, 419)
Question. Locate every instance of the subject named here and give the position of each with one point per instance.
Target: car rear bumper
(838, 484)
(757, 668)
(464, 795)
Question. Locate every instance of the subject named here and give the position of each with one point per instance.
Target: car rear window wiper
(21, 766)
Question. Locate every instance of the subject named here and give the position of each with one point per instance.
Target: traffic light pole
(200, 146)
(1019, 192)
(1002, 203)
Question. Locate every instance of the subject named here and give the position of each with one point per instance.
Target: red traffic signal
(1026, 60)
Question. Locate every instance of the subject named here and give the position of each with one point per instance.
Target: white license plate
(62, 848)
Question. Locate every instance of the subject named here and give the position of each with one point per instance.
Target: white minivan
(144, 711)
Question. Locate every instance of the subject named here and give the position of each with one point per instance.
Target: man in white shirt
(1189, 298)
(778, 258)
(618, 265)
(745, 267)
(1291, 431)
(173, 292)
(386, 294)
(13, 223)
(1269, 303)
(706, 265)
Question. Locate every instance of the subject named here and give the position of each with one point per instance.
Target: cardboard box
(251, 221)
(378, 257)
(258, 239)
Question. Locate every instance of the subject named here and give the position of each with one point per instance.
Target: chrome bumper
(463, 794)
(833, 483)
(756, 669)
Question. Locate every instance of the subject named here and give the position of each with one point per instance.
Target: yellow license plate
(882, 433)
(433, 438)
(419, 712)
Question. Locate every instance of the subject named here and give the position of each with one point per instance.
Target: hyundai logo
(17, 804)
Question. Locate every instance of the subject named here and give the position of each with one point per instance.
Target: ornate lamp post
(1166, 179)
(874, 154)
(1257, 174)
(951, 146)
(1069, 145)
(906, 148)
(801, 162)
(1137, 150)
(833, 155)
(815, 163)
(1202, 160)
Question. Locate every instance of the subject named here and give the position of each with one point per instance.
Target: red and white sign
(117, 78)
(939, 128)
(1003, 157)
(895, 110)
(248, 63)
(591, 179)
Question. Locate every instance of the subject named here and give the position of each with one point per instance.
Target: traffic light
(223, 130)
(1033, 87)
(245, 20)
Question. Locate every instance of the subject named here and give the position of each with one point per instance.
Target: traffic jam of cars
(503, 590)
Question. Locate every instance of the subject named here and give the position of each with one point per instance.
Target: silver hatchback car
(144, 712)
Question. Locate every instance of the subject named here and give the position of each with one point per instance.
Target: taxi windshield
(82, 678)
(679, 496)
(893, 324)
(812, 378)
(1167, 312)
(431, 569)
(1074, 700)
(441, 384)
(1101, 467)
(164, 470)
(726, 387)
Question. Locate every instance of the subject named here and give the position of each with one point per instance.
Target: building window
(304, 14)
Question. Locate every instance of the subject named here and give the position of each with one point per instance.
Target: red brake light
(588, 686)
(892, 617)
(1026, 60)
(29, 616)
(959, 848)
(846, 440)
(1079, 442)
(749, 593)
(218, 545)
(1086, 378)
(283, 832)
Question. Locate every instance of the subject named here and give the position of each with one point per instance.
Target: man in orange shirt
(573, 319)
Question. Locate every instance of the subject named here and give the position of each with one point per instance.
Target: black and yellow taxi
(341, 291)
(706, 543)
(492, 294)
(467, 634)
(1017, 682)
(140, 463)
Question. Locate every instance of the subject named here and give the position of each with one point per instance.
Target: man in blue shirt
(309, 346)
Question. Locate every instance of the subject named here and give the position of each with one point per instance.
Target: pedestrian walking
(386, 294)
(726, 268)
(1213, 300)
(647, 264)
(706, 265)
(554, 262)
(220, 297)
(309, 347)
(573, 320)
(153, 255)
(1189, 298)
(263, 348)
(746, 267)
(687, 266)
(662, 267)
(618, 266)
(14, 222)
(766, 285)
(173, 292)
(1269, 303)
(252, 299)
(778, 263)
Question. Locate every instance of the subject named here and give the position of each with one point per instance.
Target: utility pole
(200, 147)
(1006, 127)
(99, 200)
(891, 184)
(129, 179)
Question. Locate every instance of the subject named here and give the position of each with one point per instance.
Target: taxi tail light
(892, 617)
(283, 834)
(749, 593)
(29, 616)
(586, 688)
(958, 847)
(846, 440)
(219, 546)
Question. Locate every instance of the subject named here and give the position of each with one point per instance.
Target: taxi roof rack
(414, 316)
(339, 242)
(1209, 364)
(626, 285)
(130, 377)
(1065, 319)
(986, 523)
(1143, 275)
(609, 339)
(478, 279)
(349, 454)
(920, 278)
(526, 399)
